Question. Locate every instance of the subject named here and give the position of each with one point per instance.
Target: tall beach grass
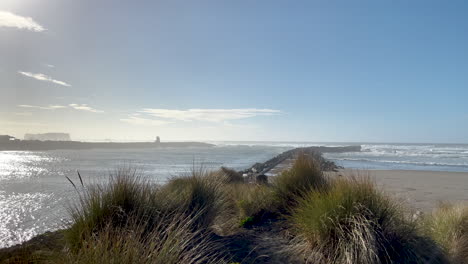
(293, 184)
(354, 222)
(130, 220)
(448, 227)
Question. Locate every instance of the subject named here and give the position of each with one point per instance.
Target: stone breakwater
(262, 168)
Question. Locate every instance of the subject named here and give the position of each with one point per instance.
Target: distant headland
(55, 141)
(48, 137)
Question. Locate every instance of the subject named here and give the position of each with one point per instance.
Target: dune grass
(173, 242)
(293, 184)
(200, 193)
(126, 195)
(253, 203)
(353, 222)
(129, 219)
(448, 227)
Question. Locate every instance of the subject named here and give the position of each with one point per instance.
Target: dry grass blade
(72, 183)
(81, 179)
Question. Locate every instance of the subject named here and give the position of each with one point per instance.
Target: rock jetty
(261, 168)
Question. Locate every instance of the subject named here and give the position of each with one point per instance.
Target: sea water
(433, 157)
(35, 194)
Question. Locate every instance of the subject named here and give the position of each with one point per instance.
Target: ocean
(35, 194)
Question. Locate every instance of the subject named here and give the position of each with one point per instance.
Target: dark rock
(316, 152)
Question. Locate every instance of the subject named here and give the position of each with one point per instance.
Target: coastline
(416, 189)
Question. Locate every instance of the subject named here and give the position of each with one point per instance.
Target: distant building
(48, 137)
(158, 140)
(6, 138)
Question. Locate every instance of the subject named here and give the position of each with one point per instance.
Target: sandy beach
(421, 190)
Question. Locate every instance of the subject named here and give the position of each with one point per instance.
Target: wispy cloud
(23, 114)
(85, 107)
(49, 65)
(135, 120)
(8, 19)
(209, 115)
(80, 107)
(43, 77)
(49, 107)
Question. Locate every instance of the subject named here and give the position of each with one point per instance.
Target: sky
(330, 71)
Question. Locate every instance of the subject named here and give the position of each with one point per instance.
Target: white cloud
(135, 120)
(84, 107)
(50, 65)
(81, 107)
(8, 19)
(49, 107)
(43, 77)
(210, 115)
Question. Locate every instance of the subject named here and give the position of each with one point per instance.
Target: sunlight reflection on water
(20, 217)
(35, 195)
(21, 164)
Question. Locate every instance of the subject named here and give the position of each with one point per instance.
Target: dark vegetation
(302, 216)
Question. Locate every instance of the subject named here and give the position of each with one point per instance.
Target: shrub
(448, 226)
(353, 222)
(295, 183)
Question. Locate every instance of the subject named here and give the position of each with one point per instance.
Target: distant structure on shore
(48, 137)
(6, 138)
(53, 141)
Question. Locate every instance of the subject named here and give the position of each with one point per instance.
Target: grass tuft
(353, 222)
(126, 195)
(293, 184)
(448, 227)
(200, 193)
(130, 220)
(252, 201)
(173, 242)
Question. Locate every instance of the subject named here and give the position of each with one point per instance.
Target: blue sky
(382, 71)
